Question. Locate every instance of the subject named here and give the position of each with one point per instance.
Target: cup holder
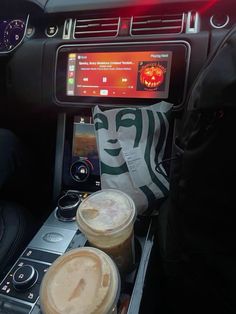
(128, 280)
(138, 254)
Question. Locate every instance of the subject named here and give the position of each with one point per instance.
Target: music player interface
(144, 74)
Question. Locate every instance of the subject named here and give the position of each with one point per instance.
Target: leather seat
(15, 232)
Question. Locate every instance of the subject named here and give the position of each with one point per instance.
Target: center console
(121, 74)
(80, 176)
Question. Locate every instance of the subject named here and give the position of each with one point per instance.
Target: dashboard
(112, 53)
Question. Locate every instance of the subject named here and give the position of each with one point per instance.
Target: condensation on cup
(107, 220)
(82, 281)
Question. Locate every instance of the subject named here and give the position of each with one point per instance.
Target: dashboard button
(30, 31)
(51, 30)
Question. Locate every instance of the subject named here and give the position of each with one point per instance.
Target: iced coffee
(82, 281)
(106, 218)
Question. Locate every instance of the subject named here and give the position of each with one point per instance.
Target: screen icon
(104, 79)
(71, 67)
(103, 92)
(71, 81)
(72, 56)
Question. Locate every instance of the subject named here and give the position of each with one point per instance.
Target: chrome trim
(105, 31)
(196, 28)
(54, 222)
(68, 22)
(221, 26)
(120, 44)
(165, 27)
(136, 296)
(36, 260)
(97, 32)
(69, 206)
(63, 219)
(155, 28)
(160, 20)
(34, 272)
(73, 31)
(95, 24)
(26, 25)
(2, 296)
(98, 19)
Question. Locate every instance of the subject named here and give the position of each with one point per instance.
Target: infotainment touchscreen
(121, 74)
(130, 74)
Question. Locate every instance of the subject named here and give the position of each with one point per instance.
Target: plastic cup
(82, 281)
(107, 220)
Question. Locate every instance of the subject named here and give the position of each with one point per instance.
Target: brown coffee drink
(106, 218)
(82, 281)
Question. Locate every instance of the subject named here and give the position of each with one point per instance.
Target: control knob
(80, 170)
(67, 206)
(24, 277)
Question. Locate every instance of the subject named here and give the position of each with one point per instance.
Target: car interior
(60, 59)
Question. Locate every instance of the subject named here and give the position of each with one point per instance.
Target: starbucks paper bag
(131, 145)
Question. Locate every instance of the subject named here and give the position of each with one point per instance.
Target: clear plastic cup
(82, 281)
(107, 220)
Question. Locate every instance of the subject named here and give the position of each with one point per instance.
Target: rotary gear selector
(67, 206)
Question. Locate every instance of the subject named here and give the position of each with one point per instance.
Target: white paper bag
(131, 145)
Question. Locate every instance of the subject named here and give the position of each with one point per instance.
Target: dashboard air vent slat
(104, 27)
(157, 24)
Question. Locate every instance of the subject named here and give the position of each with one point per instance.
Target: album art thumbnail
(151, 76)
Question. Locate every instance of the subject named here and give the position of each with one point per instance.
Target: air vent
(157, 24)
(104, 27)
